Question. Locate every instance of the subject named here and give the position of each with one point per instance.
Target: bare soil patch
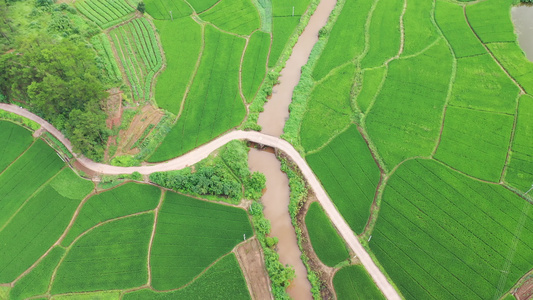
(141, 126)
(324, 272)
(250, 257)
(113, 110)
(525, 291)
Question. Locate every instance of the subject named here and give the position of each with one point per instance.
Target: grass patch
(191, 234)
(451, 20)
(328, 109)
(237, 16)
(481, 84)
(254, 64)
(327, 243)
(353, 282)
(428, 207)
(112, 256)
(384, 33)
(68, 184)
(407, 114)
(213, 105)
(475, 142)
(124, 200)
(224, 280)
(36, 282)
(349, 174)
(520, 169)
(15, 140)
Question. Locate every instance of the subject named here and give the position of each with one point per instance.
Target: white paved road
(202, 152)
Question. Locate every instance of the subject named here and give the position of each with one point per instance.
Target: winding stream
(522, 16)
(272, 120)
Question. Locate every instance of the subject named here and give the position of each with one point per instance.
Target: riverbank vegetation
(441, 100)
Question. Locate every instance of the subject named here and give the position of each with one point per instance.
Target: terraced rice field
(105, 13)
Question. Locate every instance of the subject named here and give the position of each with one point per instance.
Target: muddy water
(522, 17)
(276, 203)
(277, 108)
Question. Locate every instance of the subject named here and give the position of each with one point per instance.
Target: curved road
(203, 151)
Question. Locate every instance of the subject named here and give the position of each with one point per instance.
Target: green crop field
(329, 108)
(350, 26)
(350, 175)
(282, 29)
(214, 104)
(327, 243)
(254, 64)
(481, 84)
(237, 16)
(475, 142)
(491, 20)
(24, 176)
(407, 114)
(384, 33)
(418, 24)
(15, 140)
(284, 8)
(476, 227)
(515, 62)
(370, 86)
(160, 9)
(111, 256)
(353, 282)
(108, 62)
(105, 13)
(201, 5)
(190, 235)
(124, 200)
(520, 169)
(139, 55)
(223, 280)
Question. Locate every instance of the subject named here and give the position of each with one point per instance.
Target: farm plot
(124, 200)
(353, 282)
(237, 16)
(327, 243)
(22, 178)
(406, 117)
(370, 86)
(282, 29)
(349, 174)
(182, 40)
(346, 39)
(139, 54)
(223, 280)
(39, 223)
(491, 20)
(481, 84)
(419, 28)
(515, 62)
(443, 235)
(328, 109)
(254, 64)
(37, 281)
(105, 13)
(106, 58)
(202, 5)
(112, 256)
(475, 142)
(450, 19)
(285, 8)
(213, 104)
(15, 140)
(161, 9)
(520, 169)
(384, 33)
(190, 235)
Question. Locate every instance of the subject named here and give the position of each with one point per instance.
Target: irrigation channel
(522, 16)
(272, 121)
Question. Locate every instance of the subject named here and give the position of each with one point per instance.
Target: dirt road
(203, 151)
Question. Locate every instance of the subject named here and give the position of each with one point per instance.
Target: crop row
(103, 47)
(190, 235)
(104, 14)
(471, 223)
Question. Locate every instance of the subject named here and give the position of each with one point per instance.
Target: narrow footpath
(202, 152)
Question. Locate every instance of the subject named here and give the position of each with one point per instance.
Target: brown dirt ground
(114, 114)
(127, 138)
(324, 272)
(250, 257)
(525, 291)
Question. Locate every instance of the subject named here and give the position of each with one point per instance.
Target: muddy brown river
(522, 16)
(272, 120)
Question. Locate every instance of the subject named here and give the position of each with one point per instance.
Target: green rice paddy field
(61, 238)
(427, 149)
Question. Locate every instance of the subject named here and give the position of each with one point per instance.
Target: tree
(141, 7)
